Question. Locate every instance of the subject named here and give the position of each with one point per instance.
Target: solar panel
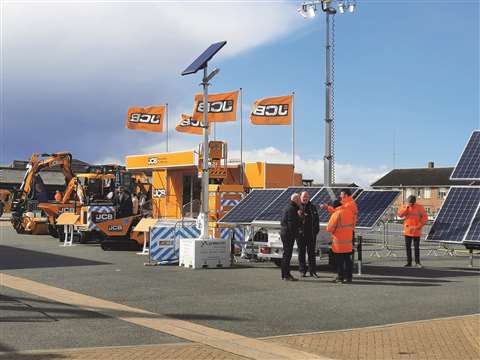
(456, 214)
(327, 196)
(250, 206)
(274, 211)
(473, 233)
(468, 167)
(201, 61)
(372, 205)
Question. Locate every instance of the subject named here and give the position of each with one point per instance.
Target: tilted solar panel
(201, 61)
(473, 233)
(468, 167)
(274, 211)
(372, 205)
(252, 205)
(456, 214)
(327, 196)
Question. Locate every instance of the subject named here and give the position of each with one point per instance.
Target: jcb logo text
(145, 118)
(217, 106)
(115, 228)
(271, 110)
(158, 193)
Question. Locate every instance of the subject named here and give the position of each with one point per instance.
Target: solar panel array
(252, 205)
(372, 205)
(468, 167)
(452, 223)
(274, 211)
(473, 233)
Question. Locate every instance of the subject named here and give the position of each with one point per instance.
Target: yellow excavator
(26, 217)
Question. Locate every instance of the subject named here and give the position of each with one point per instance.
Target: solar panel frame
(201, 61)
(319, 199)
(248, 201)
(273, 213)
(467, 219)
(473, 142)
(380, 213)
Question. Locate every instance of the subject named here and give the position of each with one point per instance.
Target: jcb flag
(190, 126)
(221, 107)
(146, 119)
(272, 111)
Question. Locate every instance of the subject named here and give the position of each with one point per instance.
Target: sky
(406, 87)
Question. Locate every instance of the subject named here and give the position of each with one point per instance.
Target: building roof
(426, 177)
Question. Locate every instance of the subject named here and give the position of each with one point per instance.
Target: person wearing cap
(341, 226)
(415, 218)
(289, 232)
(306, 242)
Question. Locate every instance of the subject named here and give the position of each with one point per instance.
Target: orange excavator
(26, 216)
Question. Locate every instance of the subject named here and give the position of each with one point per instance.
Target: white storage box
(197, 253)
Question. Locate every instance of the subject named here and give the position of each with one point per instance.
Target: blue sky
(407, 70)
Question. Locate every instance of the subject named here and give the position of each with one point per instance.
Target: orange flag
(221, 107)
(272, 111)
(146, 119)
(190, 126)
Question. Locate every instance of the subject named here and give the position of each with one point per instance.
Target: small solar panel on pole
(200, 63)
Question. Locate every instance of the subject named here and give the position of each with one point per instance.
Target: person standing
(123, 202)
(58, 196)
(415, 218)
(341, 226)
(307, 239)
(289, 232)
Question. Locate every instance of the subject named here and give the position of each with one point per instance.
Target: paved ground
(248, 300)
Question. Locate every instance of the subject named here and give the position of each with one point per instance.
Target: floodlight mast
(308, 10)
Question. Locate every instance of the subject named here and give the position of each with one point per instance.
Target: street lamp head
(351, 7)
(341, 7)
(302, 12)
(311, 11)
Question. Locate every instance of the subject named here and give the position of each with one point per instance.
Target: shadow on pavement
(203, 317)
(15, 258)
(426, 272)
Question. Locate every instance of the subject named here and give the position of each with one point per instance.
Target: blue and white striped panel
(163, 247)
(98, 209)
(239, 234)
(187, 232)
(225, 233)
(229, 202)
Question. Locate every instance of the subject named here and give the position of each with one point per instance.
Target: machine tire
(17, 225)
(84, 237)
(52, 230)
(277, 261)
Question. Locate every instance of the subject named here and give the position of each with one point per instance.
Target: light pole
(308, 10)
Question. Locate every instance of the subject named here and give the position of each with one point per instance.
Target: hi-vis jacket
(415, 217)
(341, 226)
(349, 204)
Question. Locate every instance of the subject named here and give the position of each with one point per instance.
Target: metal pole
(327, 171)
(293, 138)
(205, 169)
(241, 136)
(166, 122)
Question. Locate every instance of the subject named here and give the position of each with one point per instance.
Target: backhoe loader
(26, 217)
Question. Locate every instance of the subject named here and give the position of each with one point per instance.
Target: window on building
(442, 193)
(427, 193)
(409, 192)
(418, 193)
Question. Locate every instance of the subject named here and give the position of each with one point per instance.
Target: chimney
(430, 165)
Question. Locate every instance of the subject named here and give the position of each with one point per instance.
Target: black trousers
(306, 245)
(288, 243)
(416, 245)
(343, 262)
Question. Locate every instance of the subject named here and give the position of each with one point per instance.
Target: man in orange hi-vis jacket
(347, 202)
(415, 218)
(341, 225)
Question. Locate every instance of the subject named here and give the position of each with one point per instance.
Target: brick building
(430, 185)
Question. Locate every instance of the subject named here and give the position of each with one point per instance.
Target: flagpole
(293, 137)
(166, 121)
(241, 136)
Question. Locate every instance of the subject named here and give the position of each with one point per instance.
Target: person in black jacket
(307, 239)
(123, 202)
(289, 232)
